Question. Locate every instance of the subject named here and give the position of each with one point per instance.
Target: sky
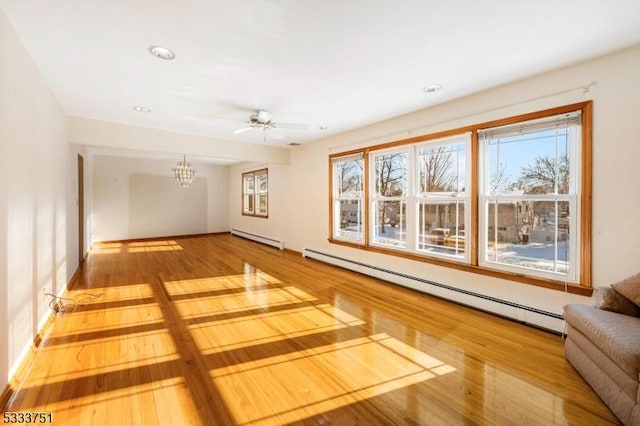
(515, 152)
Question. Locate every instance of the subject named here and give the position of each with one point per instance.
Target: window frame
(255, 194)
(439, 198)
(336, 197)
(582, 284)
(487, 196)
(405, 198)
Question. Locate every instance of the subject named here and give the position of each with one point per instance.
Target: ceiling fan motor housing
(261, 119)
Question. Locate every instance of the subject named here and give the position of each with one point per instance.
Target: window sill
(539, 282)
(256, 215)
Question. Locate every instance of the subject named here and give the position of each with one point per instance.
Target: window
(529, 197)
(347, 190)
(508, 198)
(443, 199)
(419, 200)
(389, 199)
(255, 193)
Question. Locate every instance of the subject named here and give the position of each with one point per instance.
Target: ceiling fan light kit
(262, 120)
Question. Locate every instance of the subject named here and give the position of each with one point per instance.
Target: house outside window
(529, 196)
(347, 198)
(508, 198)
(255, 193)
(442, 189)
(389, 198)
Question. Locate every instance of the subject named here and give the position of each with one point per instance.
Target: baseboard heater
(259, 238)
(549, 321)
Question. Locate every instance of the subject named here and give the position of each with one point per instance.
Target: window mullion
(522, 208)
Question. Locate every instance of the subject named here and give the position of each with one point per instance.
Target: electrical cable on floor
(63, 305)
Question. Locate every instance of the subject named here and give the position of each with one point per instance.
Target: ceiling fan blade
(244, 129)
(292, 126)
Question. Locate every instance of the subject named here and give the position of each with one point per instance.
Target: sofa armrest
(616, 335)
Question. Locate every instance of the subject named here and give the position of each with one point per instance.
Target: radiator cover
(530, 315)
(259, 238)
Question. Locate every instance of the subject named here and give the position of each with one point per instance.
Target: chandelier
(184, 173)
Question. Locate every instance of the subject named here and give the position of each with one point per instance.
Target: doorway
(81, 251)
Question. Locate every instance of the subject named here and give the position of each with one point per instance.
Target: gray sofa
(603, 345)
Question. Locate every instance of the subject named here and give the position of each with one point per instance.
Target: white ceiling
(342, 64)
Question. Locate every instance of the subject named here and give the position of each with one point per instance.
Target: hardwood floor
(220, 330)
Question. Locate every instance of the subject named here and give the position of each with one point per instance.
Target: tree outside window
(530, 206)
(347, 198)
(508, 198)
(390, 198)
(442, 198)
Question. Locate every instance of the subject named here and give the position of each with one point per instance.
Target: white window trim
(337, 198)
(256, 193)
(573, 197)
(374, 199)
(465, 139)
(413, 198)
(475, 232)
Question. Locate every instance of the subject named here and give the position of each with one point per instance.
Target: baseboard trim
(25, 362)
(279, 244)
(30, 350)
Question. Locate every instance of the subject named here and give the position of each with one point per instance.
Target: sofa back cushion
(629, 288)
(610, 300)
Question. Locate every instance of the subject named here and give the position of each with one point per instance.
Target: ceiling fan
(261, 120)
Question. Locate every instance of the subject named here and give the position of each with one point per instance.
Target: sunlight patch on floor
(263, 329)
(135, 247)
(150, 246)
(225, 306)
(273, 349)
(98, 408)
(98, 357)
(309, 382)
(105, 248)
(218, 284)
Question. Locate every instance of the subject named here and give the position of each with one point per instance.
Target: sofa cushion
(617, 335)
(629, 288)
(610, 300)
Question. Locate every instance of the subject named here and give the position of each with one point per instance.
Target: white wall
(217, 197)
(616, 234)
(33, 199)
(201, 208)
(158, 205)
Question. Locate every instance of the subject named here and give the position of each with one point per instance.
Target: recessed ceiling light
(432, 88)
(161, 52)
(139, 108)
